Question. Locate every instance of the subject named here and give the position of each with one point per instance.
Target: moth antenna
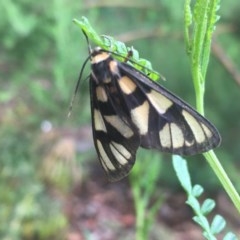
(89, 46)
(80, 75)
(77, 86)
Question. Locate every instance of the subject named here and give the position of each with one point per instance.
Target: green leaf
(180, 167)
(218, 224)
(230, 236)
(202, 221)
(207, 206)
(119, 49)
(197, 190)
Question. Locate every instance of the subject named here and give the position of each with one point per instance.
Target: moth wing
(165, 122)
(115, 137)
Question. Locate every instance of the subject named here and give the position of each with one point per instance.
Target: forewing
(165, 122)
(116, 138)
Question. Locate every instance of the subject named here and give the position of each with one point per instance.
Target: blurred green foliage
(41, 55)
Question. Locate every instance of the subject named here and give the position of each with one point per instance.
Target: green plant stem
(222, 176)
(140, 206)
(199, 90)
(143, 182)
(204, 20)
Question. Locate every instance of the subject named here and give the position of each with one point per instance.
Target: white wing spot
(159, 102)
(165, 136)
(120, 125)
(206, 130)
(195, 127)
(122, 149)
(101, 94)
(127, 85)
(98, 121)
(177, 136)
(140, 116)
(104, 157)
(189, 144)
(120, 152)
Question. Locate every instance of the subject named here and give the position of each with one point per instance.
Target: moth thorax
(105, 71)
(99, 55)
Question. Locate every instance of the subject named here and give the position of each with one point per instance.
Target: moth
(129, 111)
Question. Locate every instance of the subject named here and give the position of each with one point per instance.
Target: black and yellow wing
(129, 110)
(115, 136)
(165, 121)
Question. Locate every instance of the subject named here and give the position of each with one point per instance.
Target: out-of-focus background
(51, 183)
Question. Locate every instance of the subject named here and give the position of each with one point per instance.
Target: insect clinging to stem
(129, 110)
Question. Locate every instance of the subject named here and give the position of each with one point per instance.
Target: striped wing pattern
(171, 125)
(116, 138)
(129, 110)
